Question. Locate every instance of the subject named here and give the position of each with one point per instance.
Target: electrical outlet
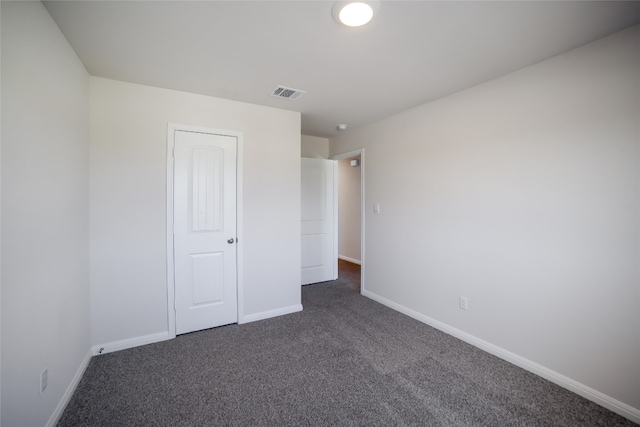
(43, 380)
(464, 303)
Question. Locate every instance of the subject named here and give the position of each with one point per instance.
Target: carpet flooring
(345, 360)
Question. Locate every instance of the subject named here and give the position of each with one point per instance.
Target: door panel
(319, 257)
(204, 220)
(206, 269)
(208, 179)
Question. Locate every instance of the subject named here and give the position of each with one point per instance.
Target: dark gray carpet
(344, 360)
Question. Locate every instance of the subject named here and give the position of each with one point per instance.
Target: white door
(204, 231)
(319, 244)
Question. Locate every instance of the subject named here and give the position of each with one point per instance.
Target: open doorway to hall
(350, 220)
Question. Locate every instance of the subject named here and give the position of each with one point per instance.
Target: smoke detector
(286, 93)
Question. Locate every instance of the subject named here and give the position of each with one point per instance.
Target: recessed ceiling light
(354, 13)
(342, 126)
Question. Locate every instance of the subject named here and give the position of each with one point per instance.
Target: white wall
(314, 147)
(349, 220)
(521, 194)
(128, 204)
(45, 215)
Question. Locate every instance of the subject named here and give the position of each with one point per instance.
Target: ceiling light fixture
(354, 13)
(342, 126)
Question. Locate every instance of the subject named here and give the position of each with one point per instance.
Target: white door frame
(171, 129)
(362, 208)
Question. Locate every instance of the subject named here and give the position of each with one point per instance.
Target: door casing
(171, 129)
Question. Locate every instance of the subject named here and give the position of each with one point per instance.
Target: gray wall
(128, 206)
(45, 215)
(314, 147)
(521, 194)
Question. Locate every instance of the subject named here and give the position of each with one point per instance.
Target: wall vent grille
(286, 93)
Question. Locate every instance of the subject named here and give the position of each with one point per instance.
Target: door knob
(230, 241)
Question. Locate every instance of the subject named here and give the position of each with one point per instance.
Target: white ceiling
(411, 53)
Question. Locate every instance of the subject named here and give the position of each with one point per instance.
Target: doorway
(351, 218)
(202, 232)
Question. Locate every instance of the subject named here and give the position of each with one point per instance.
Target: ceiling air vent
(286, 93)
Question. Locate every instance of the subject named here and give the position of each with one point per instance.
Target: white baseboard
(66, 397)
(601, 399)
(353, 260)
(130, 343)
(270, 313)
